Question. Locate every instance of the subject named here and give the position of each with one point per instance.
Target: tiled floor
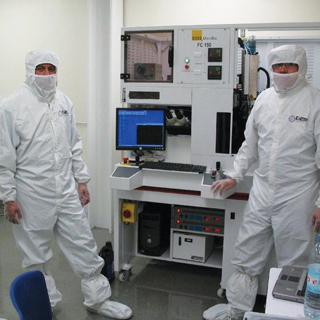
(156, 290)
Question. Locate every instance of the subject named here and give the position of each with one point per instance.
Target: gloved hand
(223, 185)
(12, 212)
(315, 220)
(84, 195)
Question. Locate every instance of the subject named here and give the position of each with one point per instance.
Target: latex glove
(84, 195)
(223, 185)
(12, 212)
(315, 220)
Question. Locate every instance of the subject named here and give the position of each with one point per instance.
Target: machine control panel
(214, 54)
(214, 72)
(198, 219)
(204, 56)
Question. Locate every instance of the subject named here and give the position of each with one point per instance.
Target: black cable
(267, 74)
(141, 71)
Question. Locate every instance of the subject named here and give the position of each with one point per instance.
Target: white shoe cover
(221, 312)
(111, 309)
(54, 294)
(95, 290)
(217, 312)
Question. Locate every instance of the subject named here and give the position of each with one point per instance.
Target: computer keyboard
(172, 166)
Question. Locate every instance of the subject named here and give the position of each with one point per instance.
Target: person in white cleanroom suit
(283, 135)
(43, 183)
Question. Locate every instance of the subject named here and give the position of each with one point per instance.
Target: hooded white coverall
(40, 164)
(283, 135)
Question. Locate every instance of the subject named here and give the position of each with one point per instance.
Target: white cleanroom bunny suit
(283, 135)
(40, 166)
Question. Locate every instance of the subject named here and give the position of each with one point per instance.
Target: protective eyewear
(279, 66)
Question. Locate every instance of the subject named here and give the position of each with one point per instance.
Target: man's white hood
(288, 54)
(42, 85)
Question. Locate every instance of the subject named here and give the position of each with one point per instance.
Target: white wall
(188, 12)
(81, 33)
(105, 21)
(59, 25)
(63, 26)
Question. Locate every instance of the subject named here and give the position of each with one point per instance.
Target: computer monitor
(140, 129)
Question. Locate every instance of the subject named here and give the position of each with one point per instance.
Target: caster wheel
(124, 275)
(221, 293)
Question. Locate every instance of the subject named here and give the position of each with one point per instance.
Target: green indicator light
(186, 60)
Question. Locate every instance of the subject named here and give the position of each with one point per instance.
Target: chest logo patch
(297, 118)
(63, 113)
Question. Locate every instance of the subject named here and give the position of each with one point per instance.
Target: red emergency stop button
(127, 214)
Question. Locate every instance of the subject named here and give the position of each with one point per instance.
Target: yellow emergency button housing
(128, 212)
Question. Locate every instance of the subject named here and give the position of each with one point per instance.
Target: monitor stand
(139, 157)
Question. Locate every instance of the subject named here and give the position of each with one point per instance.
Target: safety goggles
(288, 66)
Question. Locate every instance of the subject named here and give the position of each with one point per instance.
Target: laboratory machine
(186, 94)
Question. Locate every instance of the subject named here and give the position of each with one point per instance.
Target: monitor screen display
(140, 129)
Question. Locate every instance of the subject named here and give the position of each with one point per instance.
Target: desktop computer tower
(154, 229)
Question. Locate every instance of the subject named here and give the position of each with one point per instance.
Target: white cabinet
(186, 191)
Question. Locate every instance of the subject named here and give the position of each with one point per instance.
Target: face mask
(46, 83)
(285, 81)
(45, 86)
